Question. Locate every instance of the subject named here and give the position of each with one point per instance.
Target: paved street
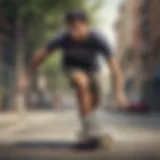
(48, 134)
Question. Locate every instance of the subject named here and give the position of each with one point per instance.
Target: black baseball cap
(76, 14)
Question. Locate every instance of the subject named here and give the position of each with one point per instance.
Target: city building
(138, 47)
(150, 30)
(129, 43)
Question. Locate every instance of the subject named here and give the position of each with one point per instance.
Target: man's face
(78, 29)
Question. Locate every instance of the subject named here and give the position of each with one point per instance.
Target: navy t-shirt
(80, 54)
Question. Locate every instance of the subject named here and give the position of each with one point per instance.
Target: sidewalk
(48, 135)
(8, 119)
(51, 126)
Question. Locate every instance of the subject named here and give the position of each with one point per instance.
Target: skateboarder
(80, 45)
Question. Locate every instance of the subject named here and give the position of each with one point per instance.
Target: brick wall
(129, 40)
(154, 20)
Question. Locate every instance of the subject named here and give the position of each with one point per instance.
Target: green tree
(34, 22)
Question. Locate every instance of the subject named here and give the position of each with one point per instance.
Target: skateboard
(105, 142)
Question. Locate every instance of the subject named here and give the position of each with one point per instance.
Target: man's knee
(80, 81)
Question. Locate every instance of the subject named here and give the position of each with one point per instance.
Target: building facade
(150, 29)
(129, 43)
(138, 47)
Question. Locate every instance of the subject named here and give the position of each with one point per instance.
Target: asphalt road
(49, 135)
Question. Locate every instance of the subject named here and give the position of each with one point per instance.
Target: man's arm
(118, 81)
(37, 59)
(114, 68)
(53, 44)
(116, 73)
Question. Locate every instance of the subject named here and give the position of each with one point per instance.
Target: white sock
(92, 125)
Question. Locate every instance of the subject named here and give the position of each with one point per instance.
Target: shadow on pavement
(52, 145)
(62, 151)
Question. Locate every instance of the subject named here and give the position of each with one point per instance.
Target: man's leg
(88, 102)
(81, 83)
(95, 94)
(80, 80)
(87, 92)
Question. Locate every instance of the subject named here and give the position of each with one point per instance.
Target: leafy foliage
(41, 19)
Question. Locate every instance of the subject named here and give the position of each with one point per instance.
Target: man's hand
(122, 100)
(23, 83)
